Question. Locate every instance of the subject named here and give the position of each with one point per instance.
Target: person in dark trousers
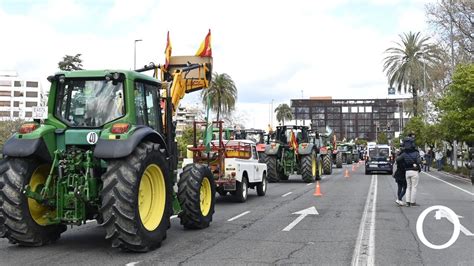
(400, 178)
(412, 163)
(428, 160)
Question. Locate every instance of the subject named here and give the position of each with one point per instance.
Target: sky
(273, 50)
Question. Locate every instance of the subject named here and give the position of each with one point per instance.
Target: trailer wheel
(136, 199)
(327, 165)
(26, 220)
(196, 195)
(308, 167)
(262, 186)
(273, 175)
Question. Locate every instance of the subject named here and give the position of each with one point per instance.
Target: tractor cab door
(147, 105)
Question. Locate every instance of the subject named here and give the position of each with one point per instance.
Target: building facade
(353, 118)
(185, 116)
(18, 96)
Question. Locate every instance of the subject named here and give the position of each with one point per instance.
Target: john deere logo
(92, 138)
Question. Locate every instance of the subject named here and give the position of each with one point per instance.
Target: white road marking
(302, 213)
(238, 216)
(309, 184)
(132, 263)
(90, 221)
(284, 195)
(464, 230)
(455, 177)
(470, 193)
(365, 245)
(173, 216)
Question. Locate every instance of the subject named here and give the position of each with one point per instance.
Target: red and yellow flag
(167, 51)
(294, 142)
(205, 49)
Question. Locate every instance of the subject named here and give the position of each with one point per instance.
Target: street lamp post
(135, 53)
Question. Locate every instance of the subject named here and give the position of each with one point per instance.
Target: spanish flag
(294, 142)
(167, 51)
(205, 49)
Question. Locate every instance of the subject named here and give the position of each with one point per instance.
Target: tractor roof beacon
(106, 151)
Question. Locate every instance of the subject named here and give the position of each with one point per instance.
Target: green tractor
(106, 150)
(292, 152)
(322, 150)
(330, 148)
(349, 152)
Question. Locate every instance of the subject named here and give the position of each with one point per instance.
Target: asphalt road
(358, 222)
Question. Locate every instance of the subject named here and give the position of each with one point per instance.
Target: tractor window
(254, 153)
(89, 103)
(146, 107)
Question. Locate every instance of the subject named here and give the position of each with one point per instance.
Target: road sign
(40, 112)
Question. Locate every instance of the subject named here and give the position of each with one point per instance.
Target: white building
(185, 115)
(18, 96)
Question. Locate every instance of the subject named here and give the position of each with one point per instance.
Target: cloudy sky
(276, 49)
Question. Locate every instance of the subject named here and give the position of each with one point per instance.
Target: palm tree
(283, 112)
(222, 94)
(409, 64)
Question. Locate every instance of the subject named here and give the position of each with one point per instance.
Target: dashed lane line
(132, 263)
(173, 216)
(238, 216)
(365, 245)
(286, 194)
(470, 193)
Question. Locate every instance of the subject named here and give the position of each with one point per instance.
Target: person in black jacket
(400, 178)
(412, 163)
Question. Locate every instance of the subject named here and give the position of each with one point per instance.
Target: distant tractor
(233, 163)
(255, 135)
(292, 152)
(106, 150)
(321, 149)
(330, 147)
(349, 152)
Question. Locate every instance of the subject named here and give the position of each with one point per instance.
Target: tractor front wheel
(339, 160)
(196, 195)
(308, 167)
(327, 165)
(136, 199)
(26, 220)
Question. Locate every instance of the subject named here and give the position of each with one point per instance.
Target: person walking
(439, 159)
(412, 162)
(428, 160)
(400, 179)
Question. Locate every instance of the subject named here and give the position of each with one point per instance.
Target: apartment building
(18, 96)
(185, 115)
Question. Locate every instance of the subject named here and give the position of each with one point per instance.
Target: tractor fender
(272, 149)
(113, 149)
(16, 147)
(305, 148)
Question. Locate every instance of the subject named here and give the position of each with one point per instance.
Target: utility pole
(455, 143)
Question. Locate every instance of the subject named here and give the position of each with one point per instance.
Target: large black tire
(349, 159)
(194, 180)
(19, 226)
(123, 196)
(308, 167)
(327, 165)
(273, 175)
(242, 191)
(262, 186)
(339, 160)
(3, 167)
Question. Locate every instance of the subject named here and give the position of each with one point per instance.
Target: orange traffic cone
(346, 173)
(317, 191)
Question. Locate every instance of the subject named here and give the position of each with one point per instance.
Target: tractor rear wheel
(196, 195)
(3, 167)
(339, 160)
(327, 165)
(273, 175)
(308, 167)
(136, 199)
(26, 220)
